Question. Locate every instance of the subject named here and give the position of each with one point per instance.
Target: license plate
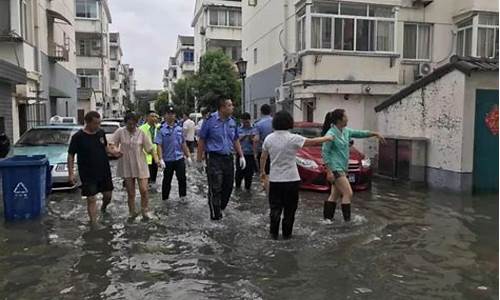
(352, 178)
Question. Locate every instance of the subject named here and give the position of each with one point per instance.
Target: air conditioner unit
(252, 2)
(282, 93)
(203, 30)
(424, 69)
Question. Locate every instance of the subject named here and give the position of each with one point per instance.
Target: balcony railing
(58, 52)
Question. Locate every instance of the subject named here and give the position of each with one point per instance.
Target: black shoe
(287, 237)
(274, 236)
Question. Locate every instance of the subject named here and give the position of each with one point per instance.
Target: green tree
(217, 77)
(183, 95)
(143, 107)
(161, 103)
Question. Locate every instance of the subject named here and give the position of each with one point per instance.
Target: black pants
(246, 173)
(179, 167)
(283, 197)
(268, 163)
(220, 173)
(153, 172)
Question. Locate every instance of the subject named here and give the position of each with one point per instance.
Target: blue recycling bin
(24, 182)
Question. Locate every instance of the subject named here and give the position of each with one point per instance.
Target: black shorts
(93, 187)
(338, 174)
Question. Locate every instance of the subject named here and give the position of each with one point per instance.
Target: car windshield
(308, 132)
(109, 129)
(46, 136)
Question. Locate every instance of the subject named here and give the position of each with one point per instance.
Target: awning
(55, 92)
(55, 15)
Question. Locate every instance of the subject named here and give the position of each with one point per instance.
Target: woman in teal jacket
(336, 158)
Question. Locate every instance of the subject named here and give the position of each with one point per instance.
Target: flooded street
(404, 243)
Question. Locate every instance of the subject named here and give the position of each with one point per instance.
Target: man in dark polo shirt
(91, 148)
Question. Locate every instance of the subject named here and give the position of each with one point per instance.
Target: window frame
(226, 12)
(338, 15)
(431, 35)
(474, 26)
(89, 74)
(87, 12)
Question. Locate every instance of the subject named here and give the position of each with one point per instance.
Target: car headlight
(306, 163)
(366, 163)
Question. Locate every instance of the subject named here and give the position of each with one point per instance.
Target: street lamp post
(242, 69)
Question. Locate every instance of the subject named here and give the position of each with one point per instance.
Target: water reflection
(405, 242)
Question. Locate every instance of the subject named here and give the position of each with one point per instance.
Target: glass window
(365, 35)
(315, 32)
(380, 11)
(417, 41)
(338, 34)
(348, 40)
(255, 56)
(460, 42)
(235, 18)
(221, 17)
(488, 19)
(188, 56)
(385, 36)
(326, 33)
(42, 136)
(86, 9)
(325, 7)
(485, 42)
(300, 40)
(468, 42)
(213, 17)
(353, 9)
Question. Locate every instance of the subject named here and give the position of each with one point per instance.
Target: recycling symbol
(20, 189)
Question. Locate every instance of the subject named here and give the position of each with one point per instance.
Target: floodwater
(404, 243)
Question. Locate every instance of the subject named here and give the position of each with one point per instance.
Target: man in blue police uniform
(263, 127)
(218, 140)
(172, 149)
(246, 133)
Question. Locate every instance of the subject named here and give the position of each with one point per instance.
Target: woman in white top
(284, 180)
(134, 144)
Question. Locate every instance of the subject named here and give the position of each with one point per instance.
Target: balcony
(58, 53)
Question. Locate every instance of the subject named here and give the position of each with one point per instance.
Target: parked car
(53, 142)
(117, 120)
(312, 169)
(109, 128)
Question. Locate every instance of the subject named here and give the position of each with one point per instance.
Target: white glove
(162, 164)
(189, 161)
(243, 163)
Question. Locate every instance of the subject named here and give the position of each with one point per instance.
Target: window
(114, 54)
(188, 56)
(485, 27)
(26, 21)
(351, 27)
(255, 56)
(417, 41)
(112, 74)
(225, 17)
(86, 9)
(301, 34)
(87, 47)
(88, 78)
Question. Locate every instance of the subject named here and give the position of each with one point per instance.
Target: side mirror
(351, 142)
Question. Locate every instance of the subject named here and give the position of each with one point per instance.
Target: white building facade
(93, 57)
(181, 65)
(37, 36)
(354, 54)
(217, 26)
(117, 76)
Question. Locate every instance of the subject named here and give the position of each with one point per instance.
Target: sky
(148, 32)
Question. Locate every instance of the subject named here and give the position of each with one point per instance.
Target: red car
(312, 168)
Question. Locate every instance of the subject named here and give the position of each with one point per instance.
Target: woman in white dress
(133, 166)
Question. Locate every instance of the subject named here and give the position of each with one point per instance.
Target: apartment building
(129, 86)
(37, 55)
(117, 76)
(312, 56)
(93, 57)
(217, 26)
(181, 65)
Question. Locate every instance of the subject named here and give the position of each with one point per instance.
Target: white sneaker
(327, 221)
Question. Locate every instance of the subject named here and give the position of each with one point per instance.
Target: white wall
(435, 112)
